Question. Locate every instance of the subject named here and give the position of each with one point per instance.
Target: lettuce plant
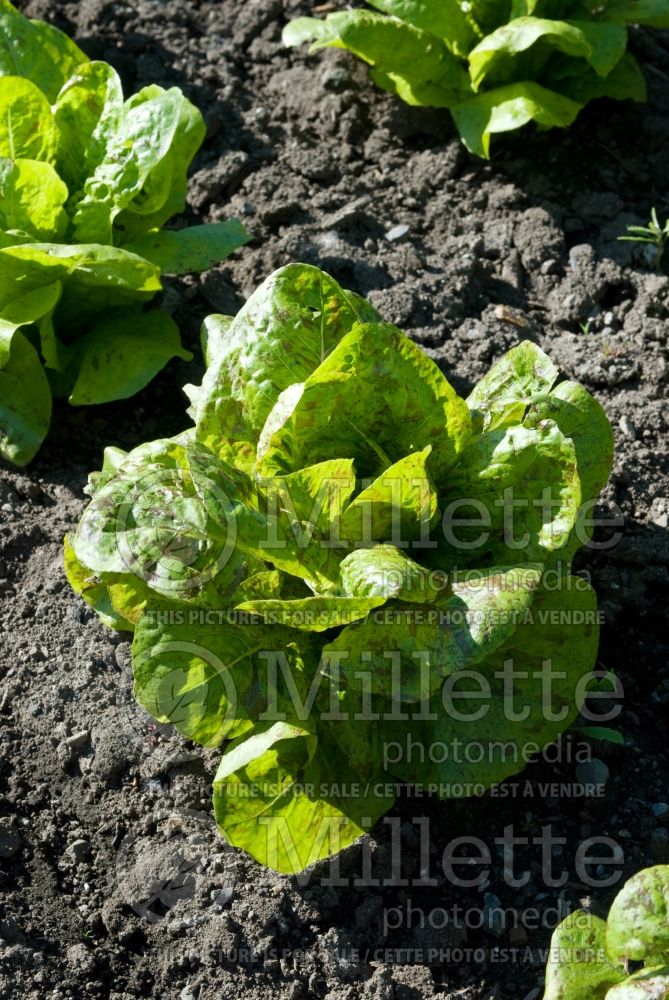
(87, 181)
(497, 64)
(314, 567)
(590, 957)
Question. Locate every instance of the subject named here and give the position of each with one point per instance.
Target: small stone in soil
(627, 427)
(660, 811)
(77, 740)
(221, 897)
(336, 78)
(397, 233)
(78, 851)
(594, 772)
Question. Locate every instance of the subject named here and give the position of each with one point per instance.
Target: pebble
(660, 811)
(78, 739)
(189, 992)
(627, 427)
(397, 233)
(336, 78)
(221, 897)
(79, 851)
(347, 214)
(593, 772)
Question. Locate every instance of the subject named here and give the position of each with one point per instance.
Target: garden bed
(468, 257)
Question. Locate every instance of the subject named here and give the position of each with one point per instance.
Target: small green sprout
(653, 233)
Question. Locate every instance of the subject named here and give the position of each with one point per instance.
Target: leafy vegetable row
(87, 181)
(497, 64)
(293, 575)
(590, 957)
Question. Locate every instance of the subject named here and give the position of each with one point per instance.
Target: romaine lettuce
(308, 577)
(87, 180)
(496, 64)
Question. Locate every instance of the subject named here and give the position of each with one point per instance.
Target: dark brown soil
(111, 873)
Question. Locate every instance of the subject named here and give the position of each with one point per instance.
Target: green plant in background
(590, 957)
(87, 181)
(653, 233)
(310, 497)
(497, 64)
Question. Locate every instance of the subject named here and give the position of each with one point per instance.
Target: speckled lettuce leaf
(284, 795)
(533, 468)
(120, 355)
(386, 571)
(281, 335)
(25, 401)
(400, 505)
(417, 66)
(558, 634)
(582, 419)
(411, 649)
(302, 513)
(87, 111)
(650, 983)
(638, 923)
(513, 381)
(36, 50)
(32, 197)
(312, 614)
(27, 127)
(175, 517)
(118, 598)
(507, 108)
(577, 968)
(375, 399)
(523, 47)
(200, 676)
(194, 249)
(213, 335)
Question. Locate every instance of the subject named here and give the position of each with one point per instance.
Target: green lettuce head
(344, 573)
(87, 181)
(497, 64)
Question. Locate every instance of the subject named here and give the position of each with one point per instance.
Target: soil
(113, 883)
